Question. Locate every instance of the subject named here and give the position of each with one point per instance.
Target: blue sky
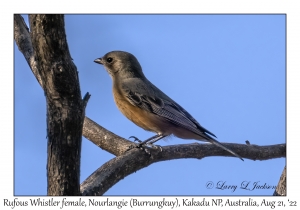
(227, 71)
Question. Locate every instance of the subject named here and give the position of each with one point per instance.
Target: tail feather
(215, 142)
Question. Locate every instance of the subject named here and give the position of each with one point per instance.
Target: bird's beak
(98, 60)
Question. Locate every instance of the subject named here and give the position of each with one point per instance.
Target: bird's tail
(215, 142)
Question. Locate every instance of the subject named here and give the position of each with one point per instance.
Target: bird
(147, 106)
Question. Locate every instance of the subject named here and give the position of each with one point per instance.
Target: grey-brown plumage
(146, 105)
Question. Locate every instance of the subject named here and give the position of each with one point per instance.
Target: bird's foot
(135, 139)
(140, 146)
(152, 146)
(143, 146)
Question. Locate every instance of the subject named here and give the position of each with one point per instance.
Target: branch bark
(23, 41)
(51, 63)
(281, 187)
(133, 160)
(105, 139)
(126, 162)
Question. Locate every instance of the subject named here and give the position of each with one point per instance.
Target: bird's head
(121, 64)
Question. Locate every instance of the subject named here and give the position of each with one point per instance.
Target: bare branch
(105, 139)
(23, 41)
(120, 167)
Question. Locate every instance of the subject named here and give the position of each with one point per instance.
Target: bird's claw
(154, 146)
(135, 139)
(158, 146)
(140, 146)
(143, 146)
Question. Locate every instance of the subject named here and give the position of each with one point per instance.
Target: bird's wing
(157, 102)
(164, 107)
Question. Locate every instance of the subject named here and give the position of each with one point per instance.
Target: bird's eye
(109, 60)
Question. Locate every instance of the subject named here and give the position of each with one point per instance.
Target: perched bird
(147, 106)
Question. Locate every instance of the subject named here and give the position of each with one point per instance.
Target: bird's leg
(141, 143)
(149, 141)
(152, 140)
